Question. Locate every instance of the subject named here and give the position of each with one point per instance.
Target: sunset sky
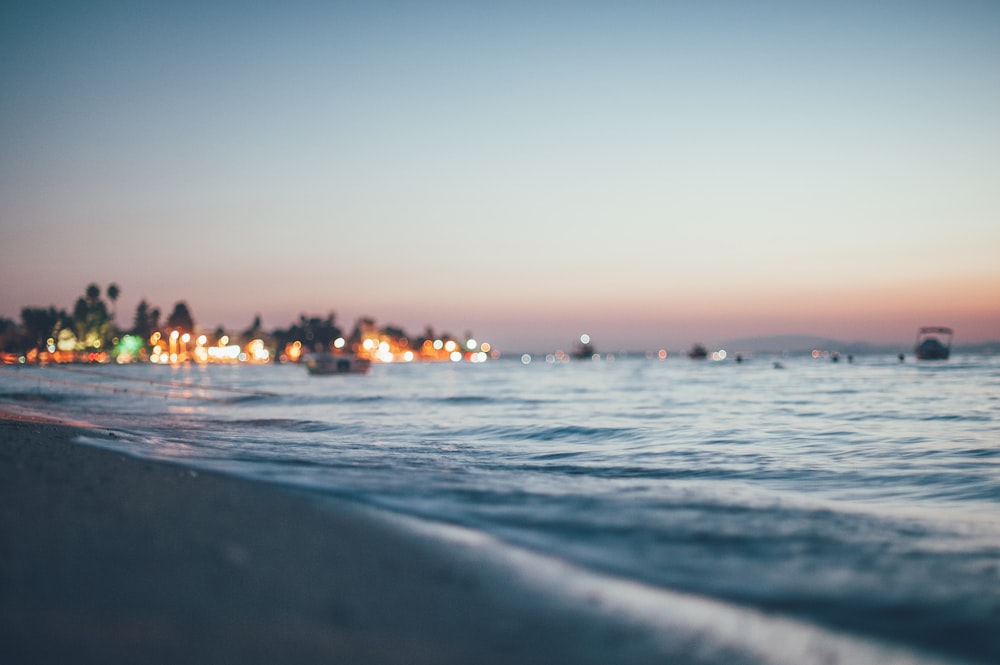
(653, 173)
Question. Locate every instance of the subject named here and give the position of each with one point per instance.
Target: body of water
(862, 498)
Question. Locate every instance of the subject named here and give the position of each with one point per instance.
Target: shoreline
(107, 557)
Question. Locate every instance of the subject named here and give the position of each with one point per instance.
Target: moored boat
(698, 352)
(933, 343)
(585, 350)
(328, 363)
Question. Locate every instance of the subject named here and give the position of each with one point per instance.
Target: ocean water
(858, 499)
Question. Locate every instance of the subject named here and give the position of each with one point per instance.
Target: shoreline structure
(105, 556)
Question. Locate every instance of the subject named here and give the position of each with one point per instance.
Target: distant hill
(987, 348)
(806, 343)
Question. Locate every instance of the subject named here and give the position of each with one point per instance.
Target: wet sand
(108, 558)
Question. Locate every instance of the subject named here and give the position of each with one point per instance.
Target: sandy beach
(108, 558)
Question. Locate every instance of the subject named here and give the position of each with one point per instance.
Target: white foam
(697, 628)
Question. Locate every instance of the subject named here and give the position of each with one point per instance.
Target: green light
(129, 345)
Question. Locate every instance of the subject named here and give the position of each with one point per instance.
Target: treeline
(91, 328)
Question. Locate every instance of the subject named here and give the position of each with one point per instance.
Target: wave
(37, 397)
(464, 399)
(314, 399)
(550, 433)
(681, 626)
(282, 424)
(967, 417)
(243, 399)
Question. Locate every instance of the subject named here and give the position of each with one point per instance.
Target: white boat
(328, 363)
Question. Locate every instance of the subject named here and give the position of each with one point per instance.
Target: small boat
(933, 343)
(328, 363)
(698, 352)
(585, 350)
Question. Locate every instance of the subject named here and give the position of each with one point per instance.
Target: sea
(850, 507)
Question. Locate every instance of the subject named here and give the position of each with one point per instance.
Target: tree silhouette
(393, 331)
(315, 333)
(8, 335)
(81, 310)
(142, 324)
(113, 293)
(91, 323)
(255, 330)
(180, 319)
(363, 326)
(427, 336)
(39, 324)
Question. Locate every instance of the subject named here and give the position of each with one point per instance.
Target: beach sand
(110, 558)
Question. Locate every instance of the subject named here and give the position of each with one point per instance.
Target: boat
(328, 363)
(698, 352)
(933, 343)
(585, 350)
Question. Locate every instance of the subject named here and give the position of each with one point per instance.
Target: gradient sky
(652, 173)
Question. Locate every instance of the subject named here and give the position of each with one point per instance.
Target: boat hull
(932, 349)
(327, 364)
(933, 343)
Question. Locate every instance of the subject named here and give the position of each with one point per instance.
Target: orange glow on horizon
(878, 313)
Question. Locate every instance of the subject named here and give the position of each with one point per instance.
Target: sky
(652, 173)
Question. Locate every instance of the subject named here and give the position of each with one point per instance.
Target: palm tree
(113, 293)
(91, 323)
(93, 293)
